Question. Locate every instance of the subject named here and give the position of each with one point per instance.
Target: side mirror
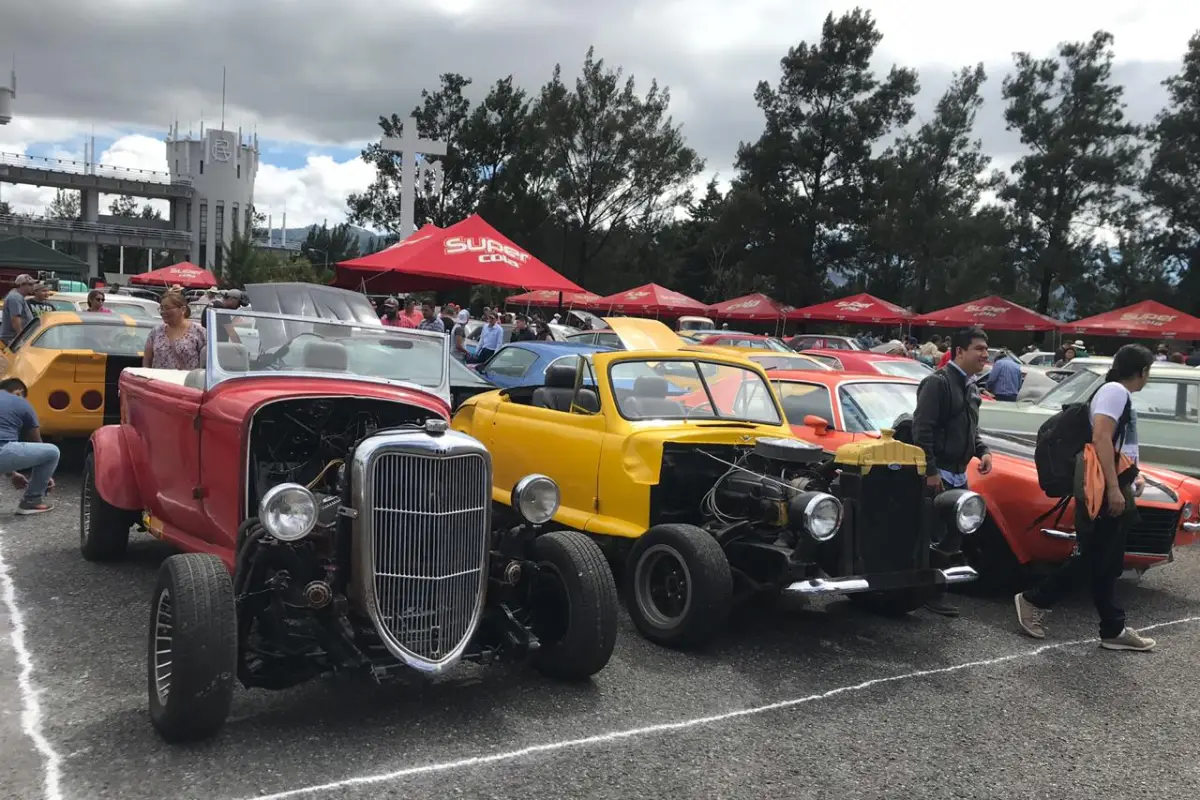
(818, 424)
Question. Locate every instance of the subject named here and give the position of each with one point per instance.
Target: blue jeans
(40, 457)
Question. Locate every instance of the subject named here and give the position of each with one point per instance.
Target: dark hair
(1130, 361)
(962, 339)
(8, 384)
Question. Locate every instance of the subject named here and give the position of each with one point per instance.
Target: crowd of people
(455, 321)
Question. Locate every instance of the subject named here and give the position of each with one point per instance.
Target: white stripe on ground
(31, 709)
(651, 730)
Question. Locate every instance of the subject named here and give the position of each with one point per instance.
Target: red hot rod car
(329, 517)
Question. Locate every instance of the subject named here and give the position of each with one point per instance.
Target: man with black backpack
(945, 425)
(1103, 481)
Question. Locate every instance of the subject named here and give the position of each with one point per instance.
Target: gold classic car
(70, 363)
(680, 462)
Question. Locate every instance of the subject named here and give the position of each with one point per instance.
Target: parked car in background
(866, 361)
(1168, 410)
(771, 360)
(745, 341)
(695, 324)
(806, 341)
(559, 333)
(1038, 358)
(330, 520)
(136, 307)
(525, 363)
(833, 409)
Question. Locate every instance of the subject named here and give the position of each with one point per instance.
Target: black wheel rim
(162, 652)
(662, 586)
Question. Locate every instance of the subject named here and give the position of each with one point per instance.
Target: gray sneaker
(1030, 617)
(1128, 639)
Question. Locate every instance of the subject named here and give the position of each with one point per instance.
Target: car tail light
(59, 400)
(92, 400)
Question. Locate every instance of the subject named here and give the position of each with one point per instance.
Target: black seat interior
(649, 399)
(559, 391)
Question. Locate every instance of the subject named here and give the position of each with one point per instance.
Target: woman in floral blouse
(178, 343)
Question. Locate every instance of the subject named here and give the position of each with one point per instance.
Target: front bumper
(891, 581)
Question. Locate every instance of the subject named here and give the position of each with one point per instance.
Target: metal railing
(89, 168)
(80, 226)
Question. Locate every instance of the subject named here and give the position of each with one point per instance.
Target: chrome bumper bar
(852, 585)
(1053, 534)
(1191, 527)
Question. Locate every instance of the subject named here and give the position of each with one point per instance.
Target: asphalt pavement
(799, 701)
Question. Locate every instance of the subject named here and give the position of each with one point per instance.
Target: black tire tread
(109, 535)
(712, 590)
(592, 629)
(204, 648)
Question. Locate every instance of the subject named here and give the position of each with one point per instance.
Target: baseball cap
(23, 279)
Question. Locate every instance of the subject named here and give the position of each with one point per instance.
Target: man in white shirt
(491, 338)
(1101, 541)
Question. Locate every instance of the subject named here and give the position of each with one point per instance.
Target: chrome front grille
(427, 525)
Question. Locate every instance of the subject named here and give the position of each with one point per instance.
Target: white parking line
(650, 730)
(31, 709)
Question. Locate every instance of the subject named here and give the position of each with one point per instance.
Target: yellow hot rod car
(702, 495)
(70, 362)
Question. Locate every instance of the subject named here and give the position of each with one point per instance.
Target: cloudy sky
(313, 76)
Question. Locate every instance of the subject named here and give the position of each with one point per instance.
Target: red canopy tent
(751, 308)
(185, 274)
(991, 312)
(470, 251)
(1145, 319)
(545, 297)
(863, 308)
(650, 299)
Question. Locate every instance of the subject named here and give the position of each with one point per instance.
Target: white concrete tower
(221, 166)
(8, 93)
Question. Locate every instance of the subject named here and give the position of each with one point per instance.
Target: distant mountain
(297, 235)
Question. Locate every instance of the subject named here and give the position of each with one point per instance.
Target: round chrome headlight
(535, 498)
(823, 516)
(969, 512)
(288, 512)
(1189, 511)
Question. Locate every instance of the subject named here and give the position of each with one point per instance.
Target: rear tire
(678, 586)
(103, 528)
(582, 630)
(191, 648)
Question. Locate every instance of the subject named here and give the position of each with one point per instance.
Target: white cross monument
(409, 145)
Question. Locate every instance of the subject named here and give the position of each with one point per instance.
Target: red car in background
(831, 409)
(734, 339)
(868, 361)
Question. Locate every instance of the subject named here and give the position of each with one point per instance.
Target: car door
(510, 367)
(1168, 429)
(564, 445)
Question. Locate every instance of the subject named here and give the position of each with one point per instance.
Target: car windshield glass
(132, 309)
(787, 362)
(698, 390)
(1073, 389)
(903, 369)
(875, 406)
(115, 340)
(269, 343)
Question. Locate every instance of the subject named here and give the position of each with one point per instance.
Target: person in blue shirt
(1004, 381)
(19, 421)
(491, 338)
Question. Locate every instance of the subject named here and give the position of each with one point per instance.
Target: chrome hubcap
(162, 646)
(85, 507)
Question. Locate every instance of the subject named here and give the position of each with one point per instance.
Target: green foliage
(327, 246)
(65, 205)
(243, 262)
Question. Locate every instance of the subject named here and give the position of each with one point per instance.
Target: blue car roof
(561, 348)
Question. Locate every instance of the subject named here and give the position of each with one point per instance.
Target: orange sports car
(833, 408)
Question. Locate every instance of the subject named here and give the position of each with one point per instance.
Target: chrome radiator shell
(421, 538)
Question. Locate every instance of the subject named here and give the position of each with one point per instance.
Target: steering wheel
(274, 360)
(689, 410)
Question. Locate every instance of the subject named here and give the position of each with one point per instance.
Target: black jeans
(1101, 560)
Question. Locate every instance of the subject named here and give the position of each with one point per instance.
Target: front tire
(191, 648)
(577, 605)
(103, 528)
(678, 586)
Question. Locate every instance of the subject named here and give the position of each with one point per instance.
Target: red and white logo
(1157, 320)
(634, 295)
(487, 250)
(985, 311)
(853, 305)
(745, 304)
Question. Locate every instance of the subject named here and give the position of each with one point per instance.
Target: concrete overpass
(83, 176)
(94, 233)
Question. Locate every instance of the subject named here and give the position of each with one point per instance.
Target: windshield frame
(846, 385)
(1076, 378)
(214, 375)
(705, 385)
